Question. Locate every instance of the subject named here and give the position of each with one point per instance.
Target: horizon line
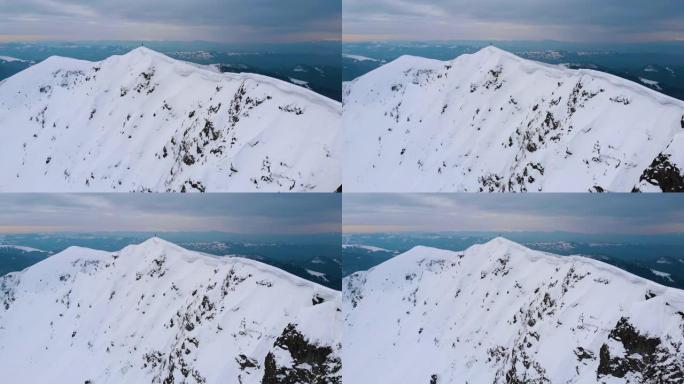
(65, 232)
(345, 39)
(331, 40)
(514, 232)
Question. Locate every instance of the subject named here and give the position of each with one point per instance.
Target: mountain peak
(143, 50)
(502, 243)
(495, 247)
(157, 242)
(492, 52)
(151, 247)
(491, 49)
(526, 301)
(532, 124)
(170, 115)
(125, 312)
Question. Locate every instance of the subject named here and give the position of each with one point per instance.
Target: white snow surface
(499, 309)
(145, 313)
(146, 122)
(492, 121)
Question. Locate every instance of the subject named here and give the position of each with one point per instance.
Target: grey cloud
(215, 20)
(586, 20)
(613, 213)
(245, 213)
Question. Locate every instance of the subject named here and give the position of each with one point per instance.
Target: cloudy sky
(579, 213)
(233, 21)
(564, 20)
(237, 213)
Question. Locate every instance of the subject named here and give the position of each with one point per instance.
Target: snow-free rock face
(502, 313)
(157, 313)
(146, 122)
(495, 122)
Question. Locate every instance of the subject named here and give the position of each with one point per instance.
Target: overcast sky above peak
(230, 21)
(563, 20)
(165, 212)
(547, 212)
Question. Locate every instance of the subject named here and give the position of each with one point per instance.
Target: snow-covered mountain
(492, 121)
(146, 122)
(157, 313)
(502, 313)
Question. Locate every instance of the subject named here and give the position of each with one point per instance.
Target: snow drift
(494, 122)
(146, 122)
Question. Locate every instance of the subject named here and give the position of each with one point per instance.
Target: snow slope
(146, 122)
(502, 313)
(492, 121)
(157, 313)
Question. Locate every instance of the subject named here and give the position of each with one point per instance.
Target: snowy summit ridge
(495, 122)
(502, 313)
(158, 313)
(146, 122)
